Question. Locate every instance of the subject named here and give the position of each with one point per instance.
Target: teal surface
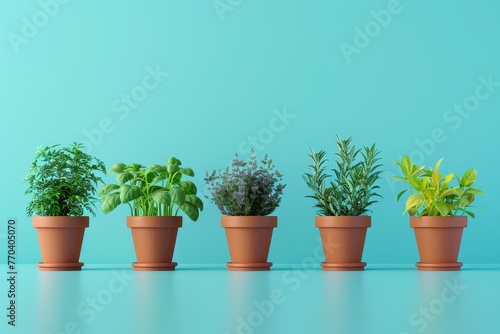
(140, 81)
(293, 300)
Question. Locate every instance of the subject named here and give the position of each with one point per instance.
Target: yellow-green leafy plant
(432, 193)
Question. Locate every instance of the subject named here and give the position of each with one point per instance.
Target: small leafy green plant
(432, 193)
(63, 181)
(353, 187)
(248, 188)
(152, 191)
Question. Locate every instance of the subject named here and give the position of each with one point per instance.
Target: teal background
(228, 76)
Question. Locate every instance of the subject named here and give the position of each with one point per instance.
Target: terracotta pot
(249, 240)
(343, 239)
(438, 241)
(154, 241)
(60, 239)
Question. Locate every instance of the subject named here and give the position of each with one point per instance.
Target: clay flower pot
(60, 239)
(438, 241)
(154, 241)
(249, 240)
(343, 239)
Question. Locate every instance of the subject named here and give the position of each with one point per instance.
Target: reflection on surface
(222, 302)
(250, 302)
(440, 299)
(58, 297)
(155, 302)
(344, 302)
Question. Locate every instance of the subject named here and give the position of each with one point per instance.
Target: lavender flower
(247, 188)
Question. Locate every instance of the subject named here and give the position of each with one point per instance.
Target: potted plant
(437, 212)
(155, 195)
(62, 182)
(246, 194)
(343, 202)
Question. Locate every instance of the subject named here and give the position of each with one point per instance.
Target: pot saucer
(249, 266)
(454, 266)
(60, 266)
(154, 266)
(357, 266)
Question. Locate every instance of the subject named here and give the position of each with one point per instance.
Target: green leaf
(195, 200)
(468, 178)
(429, 194)
(107, 188)
(424, 182)
(155, 168)
(465, 200)
(398, 178)
(414, 183)
(447, 181)
(110, 202)
(474, 191)
(173, 161)
(190, 210)
(417, 170)
(172, 168)
(129, 193)
(134, 168)
(176, 178)
(401, 194)
(443, 208)
(452, 191)
(162, 196)
(414, 201)
(188, 187)
(187, 171)
(178, 196)
(158, 179)
(117, 168)
(435, 174)
(406, 166)
(150, 177)
(470, 213)
(124, 178)
(413, 212)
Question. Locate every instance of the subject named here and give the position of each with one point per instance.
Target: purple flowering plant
(247, 188)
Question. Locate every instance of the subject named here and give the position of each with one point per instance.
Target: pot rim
(342, 221)
(154, 221)
(60, 221)
(249, 221)
(438, 221)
